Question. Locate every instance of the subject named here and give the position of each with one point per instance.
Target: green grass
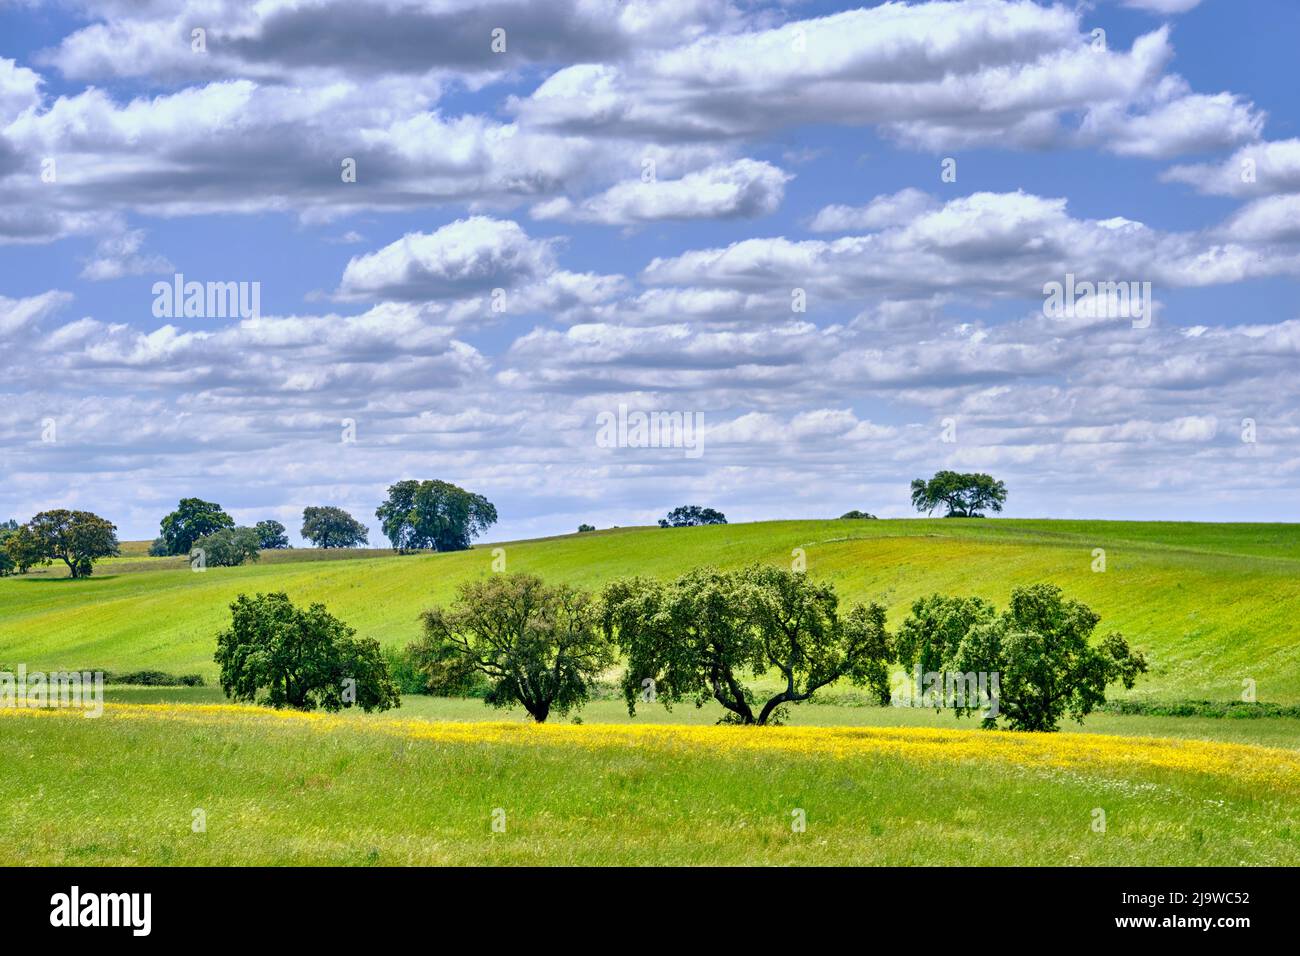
(1283, 732)
(1211, 604)
(287, 790)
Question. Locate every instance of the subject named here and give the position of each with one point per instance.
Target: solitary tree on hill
(433, 514)
(963, 495)
(688, 516)
(77, 538)
(330, 527)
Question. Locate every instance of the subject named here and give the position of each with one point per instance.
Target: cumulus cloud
(891, 210)
(985, 244)
(121, 255)
(742, 189)
(479, 266)
(372, 36)
(991, 71)
(19, 89)
(1254, 170)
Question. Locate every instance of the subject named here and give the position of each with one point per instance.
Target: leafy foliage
(540, 646)
(433, 514)
(330, 527)
(229, 547)
(964, 495)
(285, 656)
(686, 516)
(271, 535)
(77, 538)
(855, 513)
(931, 634)
(699, 636)
(192, 519)
(1039, 646)
(586, 527)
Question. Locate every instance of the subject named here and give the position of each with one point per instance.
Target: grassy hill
(1211, 604)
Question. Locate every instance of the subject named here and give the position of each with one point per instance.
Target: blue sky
(795, 147)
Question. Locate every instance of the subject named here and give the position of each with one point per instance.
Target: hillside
(1211, 604)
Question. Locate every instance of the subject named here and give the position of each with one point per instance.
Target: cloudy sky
(825, 229)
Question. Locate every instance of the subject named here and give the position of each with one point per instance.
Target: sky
(474, 231)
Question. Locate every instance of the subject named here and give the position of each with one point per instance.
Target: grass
(1281, 732)
(1211, 604)
(296, 789)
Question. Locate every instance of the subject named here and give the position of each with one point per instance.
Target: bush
(158, 548)
(855, 513)
(586, 527)
(154, 679)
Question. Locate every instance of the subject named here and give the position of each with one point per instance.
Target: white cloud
(1254, 170)
(19, 89)
(744, 188)
(889, 210)
(16, 314)
(119, 255)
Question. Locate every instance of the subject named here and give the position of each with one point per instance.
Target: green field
(288, 788)
(1210, 604)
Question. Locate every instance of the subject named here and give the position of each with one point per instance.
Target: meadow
(227, 785)
(1211, 605)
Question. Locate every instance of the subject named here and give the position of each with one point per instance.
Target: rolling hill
(1211, 604)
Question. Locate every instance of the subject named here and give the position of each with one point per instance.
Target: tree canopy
(963, 495)
(701, 636)
(1040, 647)
(433, 514)
(538, 645)
(228, 548)
(192, 519)
(77, 538)
(331, 527)
(285, 656)
(271, 535)
(687, 516)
